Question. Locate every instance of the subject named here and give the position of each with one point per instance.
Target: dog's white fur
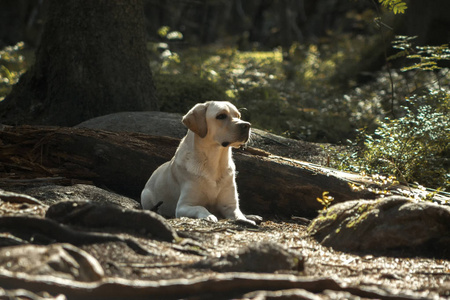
(200, 178)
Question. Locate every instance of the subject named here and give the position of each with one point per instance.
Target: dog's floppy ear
(195, 119)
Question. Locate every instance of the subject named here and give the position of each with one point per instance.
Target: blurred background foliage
(415, 147)
(371, 75)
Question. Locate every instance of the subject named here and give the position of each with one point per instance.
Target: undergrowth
(301, 98)
(413, 148)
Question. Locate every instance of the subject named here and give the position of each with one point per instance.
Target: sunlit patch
(12, 65)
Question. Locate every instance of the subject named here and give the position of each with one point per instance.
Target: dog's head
(219, 121)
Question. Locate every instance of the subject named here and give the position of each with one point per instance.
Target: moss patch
(363, 211)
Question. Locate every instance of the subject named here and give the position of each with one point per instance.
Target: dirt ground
(397, 277)
(192, 267)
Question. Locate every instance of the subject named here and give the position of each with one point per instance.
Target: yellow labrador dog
(199, 181)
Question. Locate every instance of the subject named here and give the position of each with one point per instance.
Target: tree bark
(268, 185)
(92, 61)
(429, 21)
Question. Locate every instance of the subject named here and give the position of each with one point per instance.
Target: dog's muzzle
(245, 131)
(243, 134)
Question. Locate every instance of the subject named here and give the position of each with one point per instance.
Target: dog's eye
(221, 117)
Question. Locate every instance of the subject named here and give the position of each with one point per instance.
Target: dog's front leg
(187, 206)
(229, 206)
(196, 211)
(232, 212)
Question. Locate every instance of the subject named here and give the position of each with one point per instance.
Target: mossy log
(122, 162)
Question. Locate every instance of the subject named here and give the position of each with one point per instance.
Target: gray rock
(169, 124)
(51, 194)
(148, 122)
(392, 224)
(265, 257)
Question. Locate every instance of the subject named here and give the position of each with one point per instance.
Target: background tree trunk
(429, 20)
(92, 61)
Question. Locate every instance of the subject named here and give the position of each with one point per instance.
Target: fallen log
(122, 162)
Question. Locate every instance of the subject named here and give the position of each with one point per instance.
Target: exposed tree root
(219, 286)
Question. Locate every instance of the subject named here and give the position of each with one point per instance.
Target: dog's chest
(215, 173)
(218, 180)
(213, 187)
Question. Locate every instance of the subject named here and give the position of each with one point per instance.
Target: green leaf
(397, 6)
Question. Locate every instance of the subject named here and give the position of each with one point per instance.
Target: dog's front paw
(211, 218)
(255, 218)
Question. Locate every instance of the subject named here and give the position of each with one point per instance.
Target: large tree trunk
(92, 61)
(429, 21)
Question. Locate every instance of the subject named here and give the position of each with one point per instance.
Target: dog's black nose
(245, 126)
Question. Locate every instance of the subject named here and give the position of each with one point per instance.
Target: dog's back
(158, 193)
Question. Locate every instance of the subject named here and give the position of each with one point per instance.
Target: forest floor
(350, 276)
(205, 261)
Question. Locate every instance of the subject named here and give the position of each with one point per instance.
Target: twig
(433, 273)
(149, 266)
(18, 198)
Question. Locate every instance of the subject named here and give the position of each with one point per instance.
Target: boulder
(148, 122)
(263, 257)
(169, 124)
(51, 194)
(393, 224)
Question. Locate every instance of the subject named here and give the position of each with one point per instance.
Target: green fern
(426, 57)
(397, 6)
